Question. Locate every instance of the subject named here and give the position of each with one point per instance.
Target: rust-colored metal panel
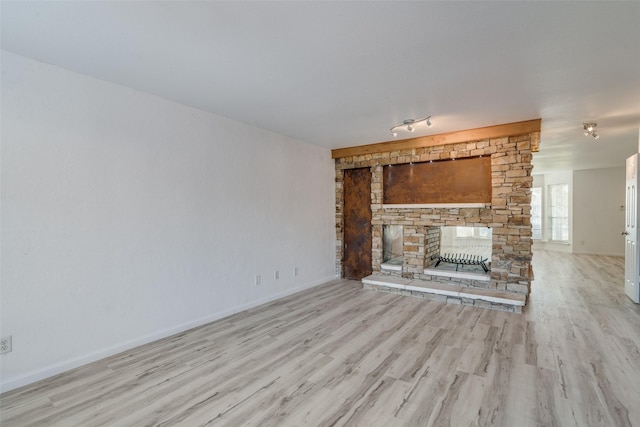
(357, 223)
(450, 181)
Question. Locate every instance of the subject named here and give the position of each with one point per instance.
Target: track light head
(590, 129)
(409, 124)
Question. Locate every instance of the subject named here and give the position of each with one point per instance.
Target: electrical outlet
(276, 275)
(258, 279)
(5, 345)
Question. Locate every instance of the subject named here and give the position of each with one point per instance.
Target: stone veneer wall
(509, 213)
(432, 244)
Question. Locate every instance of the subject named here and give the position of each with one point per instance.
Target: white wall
(598, 211)
(126, 218)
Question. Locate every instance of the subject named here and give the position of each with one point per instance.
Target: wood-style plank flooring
(336, 355)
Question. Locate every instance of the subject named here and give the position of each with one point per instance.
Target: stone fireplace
(506, 215)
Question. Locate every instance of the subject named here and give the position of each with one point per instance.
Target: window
(559, 212)
(464, 231)
(473, 232)
(536, 213)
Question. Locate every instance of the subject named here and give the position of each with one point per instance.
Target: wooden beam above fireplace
(489, 132)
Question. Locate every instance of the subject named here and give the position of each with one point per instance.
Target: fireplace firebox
(392, 247)
(464, 248)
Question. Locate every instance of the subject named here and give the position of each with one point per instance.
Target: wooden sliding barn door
(356, 261)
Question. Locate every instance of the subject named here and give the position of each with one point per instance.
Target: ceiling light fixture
(409, 125)
(591, 129)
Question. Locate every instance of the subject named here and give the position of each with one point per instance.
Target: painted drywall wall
(126, 218)
(598, 211)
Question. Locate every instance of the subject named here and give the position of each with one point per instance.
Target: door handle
(625, 233)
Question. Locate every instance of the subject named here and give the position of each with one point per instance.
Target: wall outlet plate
(5, 345)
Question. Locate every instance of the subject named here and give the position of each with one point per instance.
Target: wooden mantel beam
(497, 131)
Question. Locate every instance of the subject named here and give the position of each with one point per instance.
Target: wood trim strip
(434, 205)
(497, 131)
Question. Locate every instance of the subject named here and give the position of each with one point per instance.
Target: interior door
(631, 258)
(357, 224)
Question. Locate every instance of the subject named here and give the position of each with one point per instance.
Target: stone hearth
(450, 293)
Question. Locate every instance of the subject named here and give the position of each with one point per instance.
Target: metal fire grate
(463, 259)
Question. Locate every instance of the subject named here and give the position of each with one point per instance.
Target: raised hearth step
(454, 291)
(480, 277)
(390, 281)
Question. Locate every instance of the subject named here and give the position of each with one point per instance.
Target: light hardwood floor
(337, 355)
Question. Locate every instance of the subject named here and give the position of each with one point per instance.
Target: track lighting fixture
(591, 129)
(409, 124)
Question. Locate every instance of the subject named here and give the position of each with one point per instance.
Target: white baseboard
(12, 383)
(553, 246)
(598, 253)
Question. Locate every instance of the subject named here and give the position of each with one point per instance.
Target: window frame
(539, 208)
(558, 213)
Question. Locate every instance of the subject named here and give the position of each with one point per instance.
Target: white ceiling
(341, 74)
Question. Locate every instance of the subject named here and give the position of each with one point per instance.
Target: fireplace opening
(464, 249)
(392, 247)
